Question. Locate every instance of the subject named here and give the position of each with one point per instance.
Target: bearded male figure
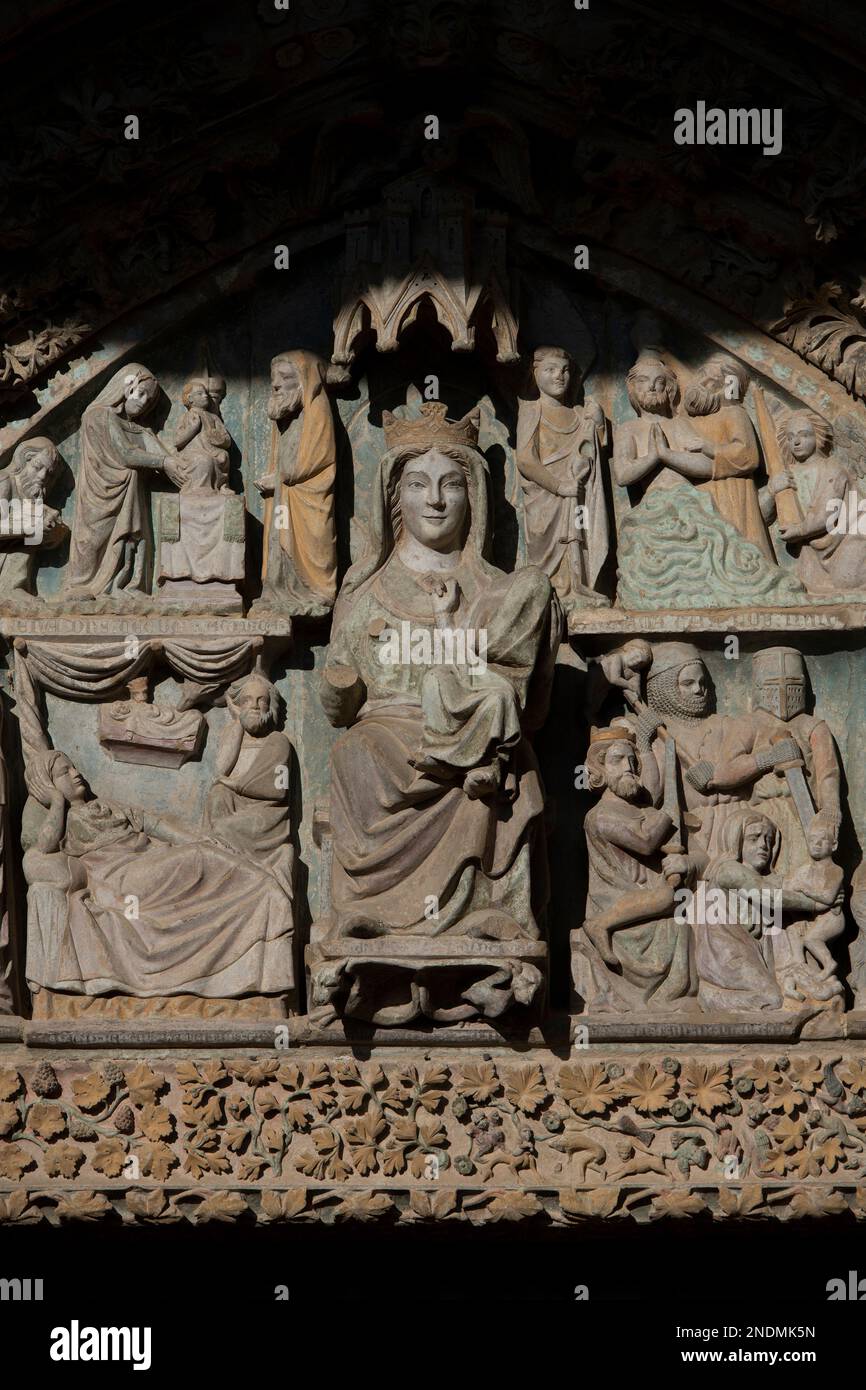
(299, 565)
(696, 537)
(631, 953)
(23, 485)
(248, 805)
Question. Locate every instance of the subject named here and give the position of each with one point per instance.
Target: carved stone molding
(610, 1133)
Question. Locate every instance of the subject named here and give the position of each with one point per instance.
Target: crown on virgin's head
(431, 428)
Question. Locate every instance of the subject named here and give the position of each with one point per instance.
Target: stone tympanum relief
(436, 802)
(560, 451)
(309, 760)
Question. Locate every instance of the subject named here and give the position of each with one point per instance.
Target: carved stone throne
(389, 980)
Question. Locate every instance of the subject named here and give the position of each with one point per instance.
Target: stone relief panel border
(483, 1139)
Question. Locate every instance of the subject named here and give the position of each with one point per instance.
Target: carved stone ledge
(320, 1136)
(816, 617)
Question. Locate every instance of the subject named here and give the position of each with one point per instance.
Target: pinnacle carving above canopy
(457, 259)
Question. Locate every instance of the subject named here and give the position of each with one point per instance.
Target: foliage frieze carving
(480, 1140)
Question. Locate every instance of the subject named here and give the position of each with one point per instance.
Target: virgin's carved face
(139, 396)
(552, 376)
(68, 780)
(758, 838)
(434, 501)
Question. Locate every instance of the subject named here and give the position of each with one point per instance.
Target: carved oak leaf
(156, 1160)
(577, 1206)
(362, 1136)
(789, 1134)
(759, 1070)
(393, 1160)
(90, 1091)
(586, 1089)
(477, 1082)
(359, 1206)
(188, 1074)
(831, 1153)
(282, 1206)
(782, 1096)
(144, 1084)
(15, 1206)
(806, 1072)
(648, 1088)
(433, 1088)
(14, 1161)
(155, 1122)
(775, 1161)
(267, 1103)
(526, 1088)
(299, 1115)
(82, 1206)
(706, 1085)
(811, 1201)
(63, 1160)
(739, 1201)
(198, 1162)
(677, 1203)
(10, 1083)
(255, 1073)
(10, 1118)
(806, 1164)
(432, 1206)
(109, 1156)
(236, 1137)
(203, 1109)
(273, 1135)
(146, 1202)
(219, 1206)
(853, 1072)
(250, 1168)
(353, 1087)
(214, 1072)
(502, 1206)
(326, 1162)
(289, 1074)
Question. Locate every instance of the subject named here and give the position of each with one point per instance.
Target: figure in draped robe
(436, 800)
(110, 550)
(299, 566)
(559, 457)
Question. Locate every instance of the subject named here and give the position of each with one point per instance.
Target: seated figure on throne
(438, 664)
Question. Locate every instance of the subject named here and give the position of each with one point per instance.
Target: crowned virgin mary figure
(438, 667)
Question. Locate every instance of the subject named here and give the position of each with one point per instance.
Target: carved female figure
(123, 900)
(436, 799)
(110, 548)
